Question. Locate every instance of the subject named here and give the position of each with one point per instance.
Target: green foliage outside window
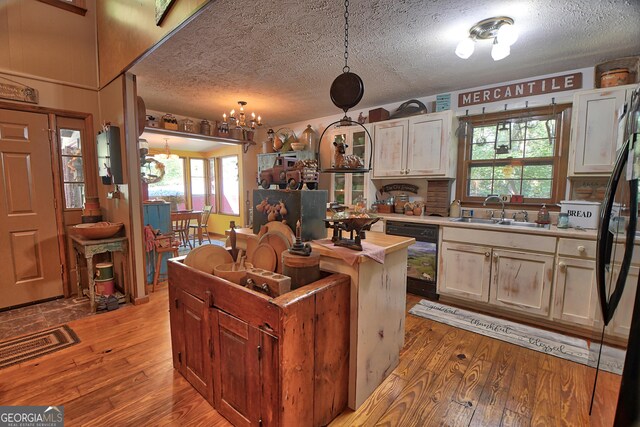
(527, 167)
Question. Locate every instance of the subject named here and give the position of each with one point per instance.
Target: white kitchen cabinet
(347, 187)
(465, 271)
(594, 130)
(390, 148)
(576, 295)
(422, 145)
(521, 281)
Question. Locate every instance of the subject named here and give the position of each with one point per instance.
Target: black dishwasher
(422, 260)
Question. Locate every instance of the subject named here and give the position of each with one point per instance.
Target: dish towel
(369, 250)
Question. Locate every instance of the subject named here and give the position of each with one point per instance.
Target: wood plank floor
(121, 374)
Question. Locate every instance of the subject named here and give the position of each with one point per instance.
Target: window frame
(220, 185)
(212, 184)
(559, 163)
(64, 163)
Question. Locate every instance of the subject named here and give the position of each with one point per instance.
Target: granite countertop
(444, 221)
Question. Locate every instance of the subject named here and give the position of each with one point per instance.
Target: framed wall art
(162, 8)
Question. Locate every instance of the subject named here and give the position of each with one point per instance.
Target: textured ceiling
(281, 55)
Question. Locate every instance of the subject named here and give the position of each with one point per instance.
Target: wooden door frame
(90, 173)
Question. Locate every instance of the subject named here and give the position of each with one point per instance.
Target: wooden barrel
(302, 269)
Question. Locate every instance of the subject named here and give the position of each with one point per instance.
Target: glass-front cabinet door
(346, 188)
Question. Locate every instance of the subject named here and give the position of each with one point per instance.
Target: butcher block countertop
(389, 243)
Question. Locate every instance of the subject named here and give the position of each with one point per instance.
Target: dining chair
(180, 225)
(201, 227)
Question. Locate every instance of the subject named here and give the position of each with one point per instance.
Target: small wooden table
(86, 249)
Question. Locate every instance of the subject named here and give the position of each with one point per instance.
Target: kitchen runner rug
(34, 345)
(566, 347)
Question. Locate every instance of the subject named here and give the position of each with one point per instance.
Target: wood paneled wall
(127, 29)
(41, 40)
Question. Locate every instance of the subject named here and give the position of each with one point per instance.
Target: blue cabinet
(158, 216)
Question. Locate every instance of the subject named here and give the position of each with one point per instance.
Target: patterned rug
(38, 344)
(553, 343)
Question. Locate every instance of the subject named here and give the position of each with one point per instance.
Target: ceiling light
(167, 153)
(239, 119)
(465, 48)
(500, 29)
(500, 50)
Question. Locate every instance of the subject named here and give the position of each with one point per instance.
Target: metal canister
(205, 127)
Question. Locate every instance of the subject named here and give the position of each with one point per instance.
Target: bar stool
(164, 244)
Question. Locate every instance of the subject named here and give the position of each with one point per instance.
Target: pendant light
(167, 153)
(346, 92)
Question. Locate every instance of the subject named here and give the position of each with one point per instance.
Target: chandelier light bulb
(499, 50)
(465, 48)
(507, 35)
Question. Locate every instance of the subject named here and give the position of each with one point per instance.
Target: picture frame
(162, 8)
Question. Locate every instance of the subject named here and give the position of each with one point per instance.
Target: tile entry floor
(33, 318)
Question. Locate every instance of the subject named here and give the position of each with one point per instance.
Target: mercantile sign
(522, 89)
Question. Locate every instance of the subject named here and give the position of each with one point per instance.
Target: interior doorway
(29, 244)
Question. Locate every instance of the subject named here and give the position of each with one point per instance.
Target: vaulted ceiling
(282, 55)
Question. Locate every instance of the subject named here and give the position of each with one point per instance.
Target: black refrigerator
(618, 280)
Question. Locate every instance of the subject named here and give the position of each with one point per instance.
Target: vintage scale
(355, 226)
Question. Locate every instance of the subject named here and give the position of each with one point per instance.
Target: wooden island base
(258, 360)
(377, 314)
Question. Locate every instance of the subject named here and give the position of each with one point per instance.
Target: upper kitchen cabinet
(417, 146)
(594, 130)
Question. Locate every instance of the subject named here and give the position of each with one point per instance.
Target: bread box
(581, 213)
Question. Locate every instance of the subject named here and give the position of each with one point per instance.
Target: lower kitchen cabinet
(465, 271)
(521, 281)
(262, 361)
(620, 325)
(576, 293)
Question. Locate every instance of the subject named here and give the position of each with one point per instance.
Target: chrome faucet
(495, 199)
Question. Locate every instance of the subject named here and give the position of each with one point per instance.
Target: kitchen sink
(476, 220)
(505, 222)
(525, 224)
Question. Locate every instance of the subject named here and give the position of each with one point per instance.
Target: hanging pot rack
(346, 92)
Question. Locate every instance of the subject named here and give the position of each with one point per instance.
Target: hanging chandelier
(167, 153)
(238, 119)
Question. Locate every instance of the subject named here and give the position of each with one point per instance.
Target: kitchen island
(377, 315)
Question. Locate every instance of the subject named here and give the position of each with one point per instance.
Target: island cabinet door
(177, 327)
(521, 281)
(576, 294)
(245, 390)
(196, 358)
(465, 271)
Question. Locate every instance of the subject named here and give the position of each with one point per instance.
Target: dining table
(189, 215)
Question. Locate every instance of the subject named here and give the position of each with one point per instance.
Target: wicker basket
(632, 63)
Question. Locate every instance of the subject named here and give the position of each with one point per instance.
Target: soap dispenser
(543, 215)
